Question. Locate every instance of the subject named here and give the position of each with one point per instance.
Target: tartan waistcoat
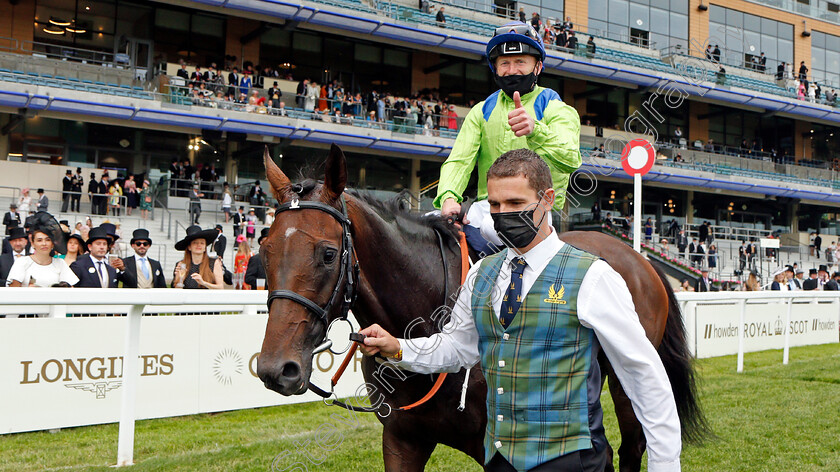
(536, 369)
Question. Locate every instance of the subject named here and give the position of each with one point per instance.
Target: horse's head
(302, 255)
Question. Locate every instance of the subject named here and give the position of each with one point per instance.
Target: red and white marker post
(637, 159)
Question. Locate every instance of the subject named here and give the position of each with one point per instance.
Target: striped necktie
(103, 277)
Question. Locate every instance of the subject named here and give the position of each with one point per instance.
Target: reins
(465, 267)
(348, 279)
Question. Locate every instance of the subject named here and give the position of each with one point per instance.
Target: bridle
(348, 272)
(348, 280)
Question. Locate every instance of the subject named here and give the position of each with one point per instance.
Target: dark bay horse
(401, 259)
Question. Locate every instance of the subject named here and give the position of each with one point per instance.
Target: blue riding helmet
(515, 37)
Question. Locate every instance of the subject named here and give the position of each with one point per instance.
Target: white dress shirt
(101, 270)
(604, 305)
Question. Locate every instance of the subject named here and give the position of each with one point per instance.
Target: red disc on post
(637, 157)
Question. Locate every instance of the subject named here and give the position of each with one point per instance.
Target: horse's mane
(393, 210)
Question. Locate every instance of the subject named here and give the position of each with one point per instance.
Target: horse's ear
(335, 176)
(278, 180)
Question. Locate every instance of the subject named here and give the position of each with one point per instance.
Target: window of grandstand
(624, 20)
(728, 127)
(825, 58)
(189, 34)
(545, 8)
(177, 32)
(743, 37)
(88, 25)
(323, 58)
(606, 106)
(825, 144)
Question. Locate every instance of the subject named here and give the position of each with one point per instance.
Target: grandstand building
(93, 83)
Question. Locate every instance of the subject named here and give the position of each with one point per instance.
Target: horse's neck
(398, 283)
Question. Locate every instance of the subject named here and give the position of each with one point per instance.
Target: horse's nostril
(291, 370)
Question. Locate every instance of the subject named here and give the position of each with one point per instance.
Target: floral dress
(144, 194)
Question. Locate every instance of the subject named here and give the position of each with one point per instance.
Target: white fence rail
(725, 323)
(62, 372)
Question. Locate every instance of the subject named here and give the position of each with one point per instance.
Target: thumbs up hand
(521, 123)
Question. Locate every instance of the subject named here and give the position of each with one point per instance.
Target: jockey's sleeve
(455, 172)
(556, 138)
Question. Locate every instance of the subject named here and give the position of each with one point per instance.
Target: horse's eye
(329, 256)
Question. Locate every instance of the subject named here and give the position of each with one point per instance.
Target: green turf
(770, 418)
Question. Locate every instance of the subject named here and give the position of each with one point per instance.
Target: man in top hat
(813, 283)
(257, 199)
(17, 240)
(102, 198)
(11, 216)
(139, 270)
(195, 203)
(66, 188)
(238, 219)
(93, 189)
(822, 276)
(77, 183)
(113, 248)
(43, 201)
(92, 269)
(255, 266)
(220, 243)
(703, 283)
(796, 282)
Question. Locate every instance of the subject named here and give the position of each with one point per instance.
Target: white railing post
(58, 311)
(741, 335)
(125, 449)
(786, 355)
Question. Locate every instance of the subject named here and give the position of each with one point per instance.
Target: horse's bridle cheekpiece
(348, 271)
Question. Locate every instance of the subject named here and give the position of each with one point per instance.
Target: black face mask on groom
(516, 228)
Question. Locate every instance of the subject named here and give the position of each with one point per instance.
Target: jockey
(519, 115)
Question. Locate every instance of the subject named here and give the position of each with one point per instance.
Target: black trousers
(588, 460)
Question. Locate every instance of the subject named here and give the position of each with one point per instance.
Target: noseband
(348, 276)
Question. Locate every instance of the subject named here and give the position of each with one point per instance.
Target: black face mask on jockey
(517, 83)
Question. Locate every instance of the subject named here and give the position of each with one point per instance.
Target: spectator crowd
(48, 253)
(260, 92)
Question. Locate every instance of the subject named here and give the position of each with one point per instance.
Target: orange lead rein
(465, 268)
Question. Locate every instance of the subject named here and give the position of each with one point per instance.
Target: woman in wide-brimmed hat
(197, 269)
(41, 269)
(75, 248)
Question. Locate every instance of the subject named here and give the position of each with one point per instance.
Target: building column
(4, 138)
(414, 183)
(698, 28)
(689, 207)
(236, 29)
(231, 168)
(697, 129)
(419, 79)
(802, 140)
(793, 209)
(578, 10)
